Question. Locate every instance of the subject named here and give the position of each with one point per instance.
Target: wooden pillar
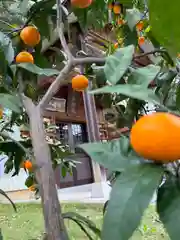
(93, 131)
(99, 173)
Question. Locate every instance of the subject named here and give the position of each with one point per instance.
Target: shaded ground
(27, 224)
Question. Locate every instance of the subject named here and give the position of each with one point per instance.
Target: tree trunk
(54, 224)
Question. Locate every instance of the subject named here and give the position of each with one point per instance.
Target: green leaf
(130, 196)
(11, 102)
(100, 76)
(130, 36)
(133, 16)
(41, 61)
(6, 47)
(18, 158)
(14, 153)
(41, 22)
(63, 171)
(130, 90)
(29, 181)
(168, 206)
(10, 146)
(9, 165)
(37, 70)
(3, 65)
(117, 64)
(112, 155)
(144, 76)
(166, 26)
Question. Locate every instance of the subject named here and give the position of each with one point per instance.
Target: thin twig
(60, 26)
(6, 125)
(150, 53)
(86, 60)
(9, 25)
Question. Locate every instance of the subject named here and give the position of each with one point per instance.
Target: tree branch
(150, 53)
(72, 61)
(60, 27)
(86, 60)
(54, 87)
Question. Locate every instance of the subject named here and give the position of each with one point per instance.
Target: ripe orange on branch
(30, 36)
(116, 45)
(32, 188)
(79, 83)
(28, 165)
(141, 40)
(116, 8)
(120, 21)
(157, 137)
(140, 25)
(24, 57)
(81, 3)
(110, 6)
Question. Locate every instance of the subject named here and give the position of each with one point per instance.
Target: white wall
(8, 183)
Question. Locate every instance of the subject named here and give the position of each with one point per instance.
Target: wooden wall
(74, 108)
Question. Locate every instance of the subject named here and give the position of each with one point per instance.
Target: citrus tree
(149, 152)
(142, 157)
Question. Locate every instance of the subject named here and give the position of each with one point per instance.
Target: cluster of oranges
(140, 27)
(157, 137)
(116, 7)
(30, 37)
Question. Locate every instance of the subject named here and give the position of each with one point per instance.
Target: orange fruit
(81, 3)
(117, 9)
(24, 57)
(30, 36)
(110, 6)
(141, 40)
(140, 25)
(79, 83)
(120, 21)
(28, 165)
(116, 45)
(157, 137)
(32, 188)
